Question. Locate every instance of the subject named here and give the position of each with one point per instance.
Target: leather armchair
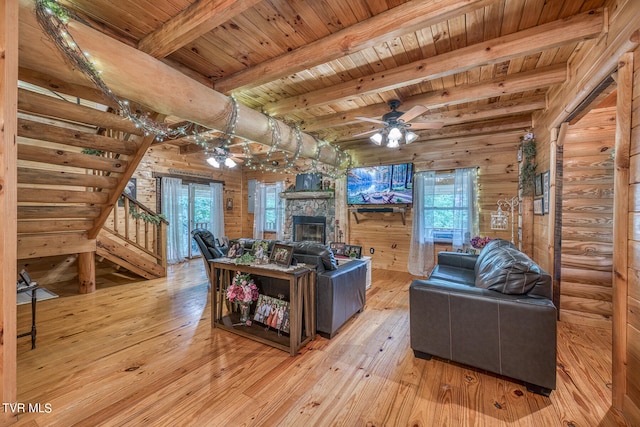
(208, 247)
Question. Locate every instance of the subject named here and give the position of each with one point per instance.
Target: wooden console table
(302, 303)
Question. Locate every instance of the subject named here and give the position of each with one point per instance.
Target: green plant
(245, 259)
(528, 169)
(145, 216)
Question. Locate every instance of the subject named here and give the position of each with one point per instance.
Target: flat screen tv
(380, 185)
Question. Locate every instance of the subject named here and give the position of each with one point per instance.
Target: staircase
(74, 160)
(134, 237)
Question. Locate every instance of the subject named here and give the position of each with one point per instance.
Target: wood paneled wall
(495, 156)
(166, 159)
(587, 219)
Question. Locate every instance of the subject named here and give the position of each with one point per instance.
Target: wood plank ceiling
(479, 66)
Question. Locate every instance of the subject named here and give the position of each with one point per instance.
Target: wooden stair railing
(143, 233)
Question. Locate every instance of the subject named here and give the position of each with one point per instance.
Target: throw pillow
(509, 271)
(487, 250)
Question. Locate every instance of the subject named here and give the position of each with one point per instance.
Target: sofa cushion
(453, 274)
(505, 269)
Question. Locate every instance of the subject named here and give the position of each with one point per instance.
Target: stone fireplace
(305, 209)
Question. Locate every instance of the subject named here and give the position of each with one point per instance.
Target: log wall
(587, 219)
(592, 64)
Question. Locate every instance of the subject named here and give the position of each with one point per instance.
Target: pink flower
(480, 242)
(242, 289)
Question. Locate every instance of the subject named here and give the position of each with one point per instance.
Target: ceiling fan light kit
(220, 155)
(397, 125)
(393, 137)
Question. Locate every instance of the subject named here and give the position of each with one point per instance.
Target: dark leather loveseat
(491, 311)
(340, 290)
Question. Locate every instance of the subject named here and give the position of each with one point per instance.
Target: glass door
(196, 205)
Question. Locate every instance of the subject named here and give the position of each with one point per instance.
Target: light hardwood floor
(144, 353)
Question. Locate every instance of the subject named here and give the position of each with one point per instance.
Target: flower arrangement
(242, 290)
(480, 242)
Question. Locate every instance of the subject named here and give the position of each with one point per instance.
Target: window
(270, 207)
(446, 208)
(268, 214)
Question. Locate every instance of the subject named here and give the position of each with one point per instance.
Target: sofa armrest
(340, 294)
(457, 259)
(511, 335)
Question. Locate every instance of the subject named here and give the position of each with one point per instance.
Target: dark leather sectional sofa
(491, 311)
(340, 290)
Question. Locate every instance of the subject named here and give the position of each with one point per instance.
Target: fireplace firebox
(311, 228)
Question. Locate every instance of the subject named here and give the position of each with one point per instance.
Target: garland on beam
(54, 17)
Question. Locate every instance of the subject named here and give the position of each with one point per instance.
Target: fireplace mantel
(299, 195)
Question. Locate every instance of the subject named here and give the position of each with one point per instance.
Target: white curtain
(465, 213)
(342, 211)
(259, 211)
(177, 251)
(421, 247)
(465, 216)
(260, 208)
(216, 221)
(280, 187)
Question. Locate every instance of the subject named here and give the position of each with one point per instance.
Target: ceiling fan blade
(367, 119)
(413, 113)
(425, 125)
(365, 133)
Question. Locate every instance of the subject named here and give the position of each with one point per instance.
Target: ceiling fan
(216, 150)
(397, 125)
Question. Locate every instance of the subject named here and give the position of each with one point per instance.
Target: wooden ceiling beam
(194, 21)
(526, 42)
(472, 114)
(395, 22)
(529, 80)
(136, 76)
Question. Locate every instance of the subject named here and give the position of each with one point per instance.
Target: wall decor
(545, 191)
(538, 185)
(538, 206)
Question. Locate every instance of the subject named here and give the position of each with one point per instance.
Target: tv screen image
(380, 185)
